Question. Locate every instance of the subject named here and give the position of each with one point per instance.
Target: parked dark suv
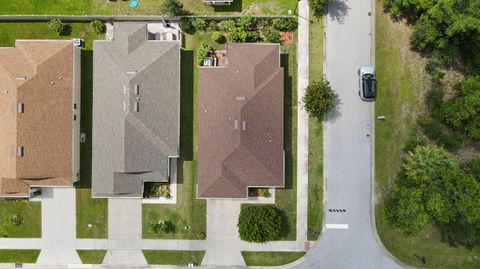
(367, 83)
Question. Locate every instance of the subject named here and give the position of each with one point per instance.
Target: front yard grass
(401, 82)
(315, 137)
(147, 7)
(173, 257)
(253, 258)
(92, 256)
(19, 255)
(31, 214)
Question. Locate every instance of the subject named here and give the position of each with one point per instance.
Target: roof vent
(136, 106)
(131, 71)
(21, 107)
(240, 98)
(244, 125)
(136, 89)
(20, 151)
(235, 124)
(20, 77)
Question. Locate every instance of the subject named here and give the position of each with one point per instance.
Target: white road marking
(336, 226)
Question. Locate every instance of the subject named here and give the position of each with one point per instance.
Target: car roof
(367, 69)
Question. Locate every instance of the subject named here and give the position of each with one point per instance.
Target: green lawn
(315, 137)
(19, 255)
(188, 211)
(30, 212)
(270, 258)
(173, 257)
(400, 86)
(92, 256)
(150, 7)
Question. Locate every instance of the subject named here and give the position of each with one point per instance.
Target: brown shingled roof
(240, 122)
(39, 75)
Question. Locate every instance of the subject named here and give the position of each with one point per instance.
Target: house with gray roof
(136, 111)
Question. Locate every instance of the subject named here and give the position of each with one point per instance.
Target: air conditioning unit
(78, 42)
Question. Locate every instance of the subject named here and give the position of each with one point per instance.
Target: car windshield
(369, 84)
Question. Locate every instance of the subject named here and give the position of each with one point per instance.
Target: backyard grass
(315, 137)
(270, 258)
(401, 81)
(30, 212)
(147, 7)
(19, 255)
(173, 257)
(188, 211)
(91, 256)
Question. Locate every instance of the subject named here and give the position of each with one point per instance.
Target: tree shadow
(338, 10)
(66, 30)
(285, 230)
(236, 6)
(288, 123)
(86, 118)
(334, 113)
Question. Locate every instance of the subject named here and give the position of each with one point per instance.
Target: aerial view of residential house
(136, 111)
(240, 122)
(39, 116)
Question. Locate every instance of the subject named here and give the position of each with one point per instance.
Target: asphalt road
(348, 147)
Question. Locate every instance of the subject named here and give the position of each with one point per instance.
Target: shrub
(237, 34)
(319, 99)
(451, 141)
(212, 26)
(97, 27)
(259, 224)
(227, 25)
(413, 143)
(56, 26)
(285, 25)
(434, 101)
(172, 8)
(217, 37)
(271, 35)
(203, 51)
(263, 22)
(473, 167)
(199, 24)
(431, 127)
(186, 26)
(253, 36)
(16, 220)
(318, 6)
(157, 189)
(161, 226)
(246, 22)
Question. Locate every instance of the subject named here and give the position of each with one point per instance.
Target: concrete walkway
(58, 226)
(302, 120)
(124, 232)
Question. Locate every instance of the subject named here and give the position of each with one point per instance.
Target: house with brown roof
(39, 116)
(240, 122)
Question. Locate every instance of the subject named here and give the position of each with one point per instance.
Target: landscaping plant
(319, 99)
(97, 26)
(259, 224)
(56, 26)
(203, 52)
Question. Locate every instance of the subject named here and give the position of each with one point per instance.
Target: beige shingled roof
(37, 75)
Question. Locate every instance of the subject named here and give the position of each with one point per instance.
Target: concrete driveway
(349, 238)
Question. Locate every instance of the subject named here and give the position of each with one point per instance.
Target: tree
(319, 99)
(55, 26)
(463, 110)
(97, 26)
(187, 26)
(259, 224)
(318, 6)
(285, 24)
(172, 8)
(271, 35)
(217, 37)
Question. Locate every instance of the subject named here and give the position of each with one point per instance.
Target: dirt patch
(254, 9)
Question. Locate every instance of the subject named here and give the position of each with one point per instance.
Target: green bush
(203, 51)
(237, 34)
(259, 224)
(434, 101)
(319, 99)
(451, 141)
(186, 26)
(246, 22)
(16, 220)
(157, 189)
(431, 127)
(318, 6)
(212, 26)
(56, 26)
(473, 167)
(172, 8)
(227, 25)
(97, 27)
(413, 143)
(217, 37)
(271, 35)
(285, 24)
(161, 226)
(199, 24)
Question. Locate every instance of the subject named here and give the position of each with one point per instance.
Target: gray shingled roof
(136, 105)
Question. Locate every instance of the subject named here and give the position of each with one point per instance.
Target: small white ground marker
(336, 226)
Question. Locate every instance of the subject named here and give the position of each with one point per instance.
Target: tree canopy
(319, 99)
